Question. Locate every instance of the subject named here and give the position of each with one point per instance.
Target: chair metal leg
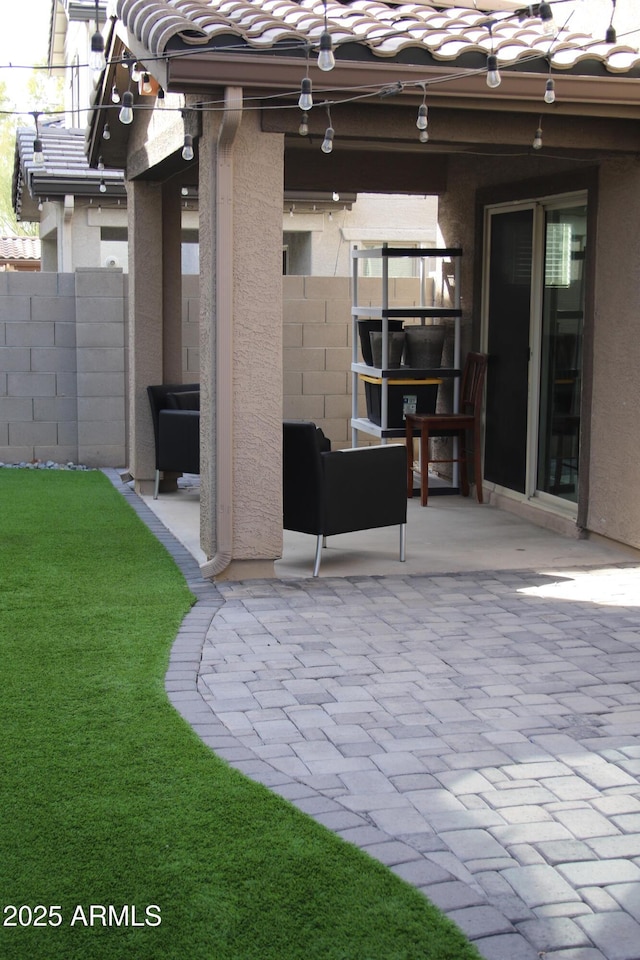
(316, 565)
(403, 542)
(157, 485)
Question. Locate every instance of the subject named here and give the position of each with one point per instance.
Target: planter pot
(365, 327)
(423, 346)
(396, 347)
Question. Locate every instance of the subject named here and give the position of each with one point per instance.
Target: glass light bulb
(550, 92)
(106, 132)
(303, 129)
(423, 136)
(100, 163)
(546, 15)
(146, 84)
(187, 150)
(96, 56)
(115, 94)
(493, 74)
(326, 59)
(327, 143)
(135, 71)
(305, 101)
(126, 111)
(38, 155)
(421, 122)
(537, 140)
(103, 187)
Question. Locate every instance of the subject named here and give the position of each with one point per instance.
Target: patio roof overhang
(200, 66)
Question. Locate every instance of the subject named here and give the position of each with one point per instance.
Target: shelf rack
(385, 374)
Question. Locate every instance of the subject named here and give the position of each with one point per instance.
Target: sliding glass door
(533, 324)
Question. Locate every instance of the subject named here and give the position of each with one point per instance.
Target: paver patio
(478, 733)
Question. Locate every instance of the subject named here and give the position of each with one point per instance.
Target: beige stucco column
(241, 196)
(171, 285)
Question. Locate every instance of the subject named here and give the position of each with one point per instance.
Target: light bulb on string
(147, 86)
(115, 94)
(38, 155)
(303, 129)
(106, 132)
(96, 56)
(187, 150)
(326, 59)
(100, 163)
(550, 92)
(421, 122)
(546, 15)
(537, 140)
(102, 187)
(126, 111)
(493, 74)
(305, 101)
(327, 143)
(134, 71)
(423, 136)
(611, 35)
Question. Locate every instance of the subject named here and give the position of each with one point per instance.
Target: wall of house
(614, 504)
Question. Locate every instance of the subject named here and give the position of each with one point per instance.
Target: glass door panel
(565, 238)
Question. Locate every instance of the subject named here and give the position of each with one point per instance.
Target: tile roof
(442, 31)
(19, 248)
(65, 170)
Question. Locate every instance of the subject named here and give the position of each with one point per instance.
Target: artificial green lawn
(107, 797)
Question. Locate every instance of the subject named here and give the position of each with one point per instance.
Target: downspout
(231, 117)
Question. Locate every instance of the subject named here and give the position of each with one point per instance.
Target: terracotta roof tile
(443, 30)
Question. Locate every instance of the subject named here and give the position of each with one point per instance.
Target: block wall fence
(63, 359)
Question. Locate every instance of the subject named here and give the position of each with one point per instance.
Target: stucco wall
(614, 500)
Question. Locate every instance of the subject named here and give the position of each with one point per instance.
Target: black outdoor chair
(175, 409)
(327, 492)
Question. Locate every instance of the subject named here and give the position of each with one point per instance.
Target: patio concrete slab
(438, 718)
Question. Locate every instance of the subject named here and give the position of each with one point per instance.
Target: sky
(24, 40)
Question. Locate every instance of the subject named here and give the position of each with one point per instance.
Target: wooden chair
(467, 421)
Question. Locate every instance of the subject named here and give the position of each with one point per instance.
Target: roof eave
(611, 96)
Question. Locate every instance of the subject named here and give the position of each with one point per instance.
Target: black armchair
(327, 492)
(175, 410)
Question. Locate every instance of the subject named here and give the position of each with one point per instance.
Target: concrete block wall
(190, 329)
(318, 347)
(38, 370)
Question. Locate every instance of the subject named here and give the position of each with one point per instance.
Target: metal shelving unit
(385, 375)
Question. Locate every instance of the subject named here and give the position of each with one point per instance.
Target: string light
(38, 155)
(546, 15)
(610, 36)
(126, 112)
(537, 140)
(187, 150)
(327, 143)
(493, 74)
(115, 94)
(422, 121)
(96, 57)
(326, 59)
(550, 92)
(106, 132)
(303, 129)
(103, 187)
(305, 100)
(147, 86)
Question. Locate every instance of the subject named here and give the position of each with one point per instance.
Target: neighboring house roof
(62, 13)
(19, 249)
(65, 171)
(441, 32)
